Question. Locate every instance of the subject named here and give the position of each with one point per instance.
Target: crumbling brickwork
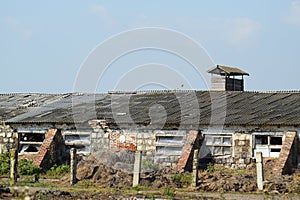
(123, 140)
(100, 135)
(52, 150)
(146, 142)
(242, 150)
(186, 156)
(8, 139)
(287, 160)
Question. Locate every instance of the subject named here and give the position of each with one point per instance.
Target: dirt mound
(114, 169)
(226, 182)
(107, 169)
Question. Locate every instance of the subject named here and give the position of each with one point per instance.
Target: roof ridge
(34, 93)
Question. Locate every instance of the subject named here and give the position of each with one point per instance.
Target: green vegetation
(25, 167)
(85, 184)
(4, 163)
(58, 171)
(182, 178)
(149, 165)
(170, 192)
(210, 168)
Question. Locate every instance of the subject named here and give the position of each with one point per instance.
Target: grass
(182, 178)
(211, 168)
(57, 171)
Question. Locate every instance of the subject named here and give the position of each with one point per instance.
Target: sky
(44, 45)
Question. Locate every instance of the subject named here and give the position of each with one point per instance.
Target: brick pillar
(287, 157)
(13, 166)
(187, 151)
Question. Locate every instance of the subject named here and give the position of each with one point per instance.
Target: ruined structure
(227, 125)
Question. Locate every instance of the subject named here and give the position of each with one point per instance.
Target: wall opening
(268, 143)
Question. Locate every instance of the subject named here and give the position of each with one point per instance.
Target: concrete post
(259, 170)
(73, 166)
(195, 168)
(137, 168)
(13, 166)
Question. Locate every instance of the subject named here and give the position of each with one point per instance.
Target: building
(227, 124)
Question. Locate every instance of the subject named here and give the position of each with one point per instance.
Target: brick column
(41, 155)
(284, 163)
(187, 151)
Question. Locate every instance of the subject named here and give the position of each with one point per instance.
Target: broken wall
(242, 149)
(8, 138)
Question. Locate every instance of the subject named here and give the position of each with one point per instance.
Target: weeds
(210, 168)
(182, 178)
(85, 184)
(58, 171)
(149, 165)
(170, 192)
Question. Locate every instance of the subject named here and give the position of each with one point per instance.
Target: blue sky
(44, 43)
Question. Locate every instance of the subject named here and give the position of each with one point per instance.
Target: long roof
(170, 109)
(12, 105)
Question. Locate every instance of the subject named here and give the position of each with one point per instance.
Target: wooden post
(259, 170)
(73, 166)
(13, 166)
(137, 168)
(195, 168)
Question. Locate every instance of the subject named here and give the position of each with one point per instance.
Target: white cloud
(99, 10)
(293, 16)
(18, 27)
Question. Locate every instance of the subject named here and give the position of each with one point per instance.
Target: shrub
(26, 167)
(149, 165)
(4, 163)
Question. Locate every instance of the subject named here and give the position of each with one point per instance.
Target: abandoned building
(227, 124)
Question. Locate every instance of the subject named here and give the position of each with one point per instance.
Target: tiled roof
(170, 109)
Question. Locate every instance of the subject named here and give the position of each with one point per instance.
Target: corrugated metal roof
(225, 70)
(12, 105)
(168, 109)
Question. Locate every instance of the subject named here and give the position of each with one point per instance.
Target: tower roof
(225, 70)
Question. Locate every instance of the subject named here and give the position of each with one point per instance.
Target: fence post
(195, 168)
(73, 167)
(137, 168)
(259, 170)
(13, 166)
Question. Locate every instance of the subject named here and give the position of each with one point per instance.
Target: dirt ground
(110, 177)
